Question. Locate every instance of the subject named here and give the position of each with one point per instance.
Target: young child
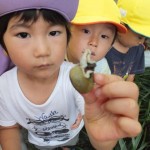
(41, 102)
(34, 95)
(94, 30)
(126, 57)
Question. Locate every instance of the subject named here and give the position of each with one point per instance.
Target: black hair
(32, 16)
(114, 36)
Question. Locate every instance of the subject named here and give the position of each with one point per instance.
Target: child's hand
(111, 111)
(77, 122)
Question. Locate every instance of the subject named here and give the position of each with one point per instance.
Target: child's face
(97, 37)
(37, 48)
(130, 39)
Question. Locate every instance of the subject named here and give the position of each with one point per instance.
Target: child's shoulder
(7, 79)
(137, 49)
(9, 73)
(65, 68)
(67, 65)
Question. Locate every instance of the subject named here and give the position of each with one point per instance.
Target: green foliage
(141, 142)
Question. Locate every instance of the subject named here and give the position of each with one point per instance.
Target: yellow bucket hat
(98, 11)
(136, 14)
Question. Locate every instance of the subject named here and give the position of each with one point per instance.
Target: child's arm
(10, 138)
(77, 122)
(111, 111)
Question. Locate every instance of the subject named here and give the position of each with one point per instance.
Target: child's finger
(102, 79)
(120, 89)
(130, 126)
(123, 107)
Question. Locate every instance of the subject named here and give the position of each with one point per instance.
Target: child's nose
(42, 48)
(93, 42)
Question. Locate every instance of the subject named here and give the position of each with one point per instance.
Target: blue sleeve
(138, 65)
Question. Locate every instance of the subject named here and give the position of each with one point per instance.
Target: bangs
(50, 16)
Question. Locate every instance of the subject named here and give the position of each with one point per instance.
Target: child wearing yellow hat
(94, 27)
(126, 57)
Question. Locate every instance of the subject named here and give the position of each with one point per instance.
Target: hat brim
(90, 20)
(120, 28)
(140, 29)
(66, 8)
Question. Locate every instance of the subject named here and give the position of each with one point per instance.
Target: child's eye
(104, 36)
(23, 35)
(85, 31)
(54, 33)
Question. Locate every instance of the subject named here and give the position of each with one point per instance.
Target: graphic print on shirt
(51, 127)
(122, 69)
(124, 64)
